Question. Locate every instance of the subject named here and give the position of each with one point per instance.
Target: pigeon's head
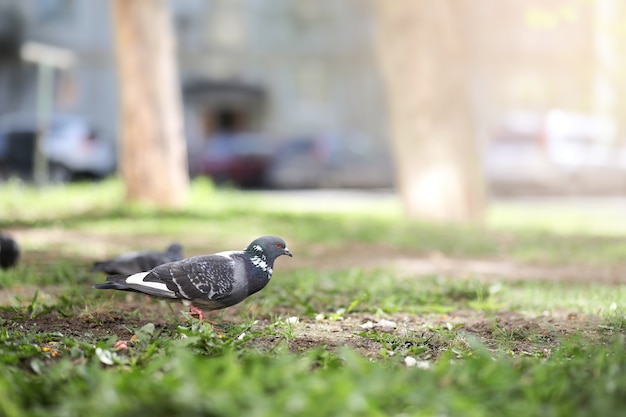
(269, 246)
(175, 248)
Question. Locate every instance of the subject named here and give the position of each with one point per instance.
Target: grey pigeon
(211, 282)
(133, 262)
(9, 251)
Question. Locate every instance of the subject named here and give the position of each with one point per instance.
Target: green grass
(201, 375)
(484, 347)
(562, 216)
(219, 218)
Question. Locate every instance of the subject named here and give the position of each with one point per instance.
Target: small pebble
(388, 323)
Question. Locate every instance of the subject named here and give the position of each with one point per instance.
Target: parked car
(238, 158)
(74, 149)
(331, 160)
(549, 151)
(328, 159)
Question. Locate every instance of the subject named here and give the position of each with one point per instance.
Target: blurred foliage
(579, 380)
(222, 218)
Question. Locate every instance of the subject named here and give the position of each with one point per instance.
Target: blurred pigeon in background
(9, 251)
(133, 262)
(213, 281)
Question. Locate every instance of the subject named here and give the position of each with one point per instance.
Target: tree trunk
(153, 156)
(422, 48)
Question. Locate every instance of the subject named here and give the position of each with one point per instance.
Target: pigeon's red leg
(195, 312)
(123, 344)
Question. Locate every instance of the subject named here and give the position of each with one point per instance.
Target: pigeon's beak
(287, 252)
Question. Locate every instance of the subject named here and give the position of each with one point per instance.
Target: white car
(72, 147)
(549, 151)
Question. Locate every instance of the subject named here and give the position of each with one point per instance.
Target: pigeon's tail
(110, 268)
(100, 266)
(114, 282)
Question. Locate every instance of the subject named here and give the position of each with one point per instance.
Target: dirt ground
(368, 334)
(523, 335)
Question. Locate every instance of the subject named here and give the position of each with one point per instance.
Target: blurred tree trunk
(608, 87)
(153, 156)
(422, 48)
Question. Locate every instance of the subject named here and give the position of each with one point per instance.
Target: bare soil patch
(368, 334)
(101, 325)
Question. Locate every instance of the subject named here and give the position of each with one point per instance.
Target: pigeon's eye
(279, 245)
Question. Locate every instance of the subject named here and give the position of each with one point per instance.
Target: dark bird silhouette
(9, 251)
(133, 262)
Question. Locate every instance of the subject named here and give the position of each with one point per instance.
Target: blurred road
(348, 199)
(335, 199)
(590, 215)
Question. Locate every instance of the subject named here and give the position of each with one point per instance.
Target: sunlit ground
(567, 215)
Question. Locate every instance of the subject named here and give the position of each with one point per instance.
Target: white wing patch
(137, 279)
(227, 254)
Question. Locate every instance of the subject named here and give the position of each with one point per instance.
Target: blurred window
(53, 10)
(227, 29)
(313, 83)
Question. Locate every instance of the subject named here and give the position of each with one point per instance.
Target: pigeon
(207, 282)
(9, 251)
(133, 262)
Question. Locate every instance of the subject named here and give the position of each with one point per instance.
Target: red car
(240, 159)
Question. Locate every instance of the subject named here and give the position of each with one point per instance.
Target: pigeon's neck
(262, 269)
(261, 264)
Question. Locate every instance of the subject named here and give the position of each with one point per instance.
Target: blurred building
(548, 94)
(83, 27)
(532, 54)
(282, 66)
(292, 70)
(304, 72)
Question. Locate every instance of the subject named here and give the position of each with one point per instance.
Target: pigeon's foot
(196, 313)
(123, 344)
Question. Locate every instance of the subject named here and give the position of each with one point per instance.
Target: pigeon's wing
(209, 277)
(133, 262)
(152, 260)
(122, 264)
